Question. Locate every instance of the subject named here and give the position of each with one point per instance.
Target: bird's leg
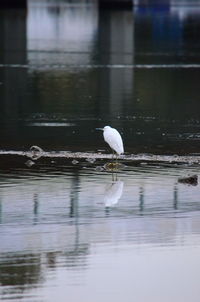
(116, 159)
(113, 154)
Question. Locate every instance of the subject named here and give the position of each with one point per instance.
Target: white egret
(113, 138)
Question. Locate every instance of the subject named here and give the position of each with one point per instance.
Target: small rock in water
(190, 180)
(29, 163)
(75, 162)
(99, 168)
(91, 160)
(143, 164)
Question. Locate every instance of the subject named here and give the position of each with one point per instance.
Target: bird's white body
(113, 138)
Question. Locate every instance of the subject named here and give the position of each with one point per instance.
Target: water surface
(77, 233)
(70, 227)
(67, 68)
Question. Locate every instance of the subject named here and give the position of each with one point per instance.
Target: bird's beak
(99, 128)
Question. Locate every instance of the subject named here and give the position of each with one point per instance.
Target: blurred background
(67, 67)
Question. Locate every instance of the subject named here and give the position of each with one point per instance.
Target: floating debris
(75, 162)
(36, 152)
(190, 180)
(191, 159)
(144, 164)
(36, 149)
(99, 168)
(29, 163)
(91, 160)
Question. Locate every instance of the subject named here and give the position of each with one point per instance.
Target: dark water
(71, 229)
(67, 68)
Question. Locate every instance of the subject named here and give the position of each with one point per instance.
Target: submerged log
(190, 180)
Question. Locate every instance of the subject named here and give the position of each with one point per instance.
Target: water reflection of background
(54, 220)
(78, 67)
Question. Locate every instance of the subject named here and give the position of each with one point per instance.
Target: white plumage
(113, 138)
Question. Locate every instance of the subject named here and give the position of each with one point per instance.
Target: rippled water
(71, 231)
(73, 225)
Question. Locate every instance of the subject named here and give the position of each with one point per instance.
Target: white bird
(113, 138)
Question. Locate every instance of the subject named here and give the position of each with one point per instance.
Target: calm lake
(71, 228)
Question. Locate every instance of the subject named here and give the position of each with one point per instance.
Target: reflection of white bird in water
(113, 193)
(113, 138)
